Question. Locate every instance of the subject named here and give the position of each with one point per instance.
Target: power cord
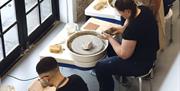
(22, 79)
(93, 73)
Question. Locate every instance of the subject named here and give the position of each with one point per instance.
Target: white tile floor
(166, 78)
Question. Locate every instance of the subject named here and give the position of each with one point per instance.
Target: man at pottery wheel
(135, 55)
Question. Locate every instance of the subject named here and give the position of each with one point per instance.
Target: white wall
(67, 9)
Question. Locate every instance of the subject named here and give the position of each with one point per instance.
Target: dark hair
(122, 5)
(46, 64)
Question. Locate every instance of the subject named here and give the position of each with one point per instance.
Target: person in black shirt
(75, 83)
(136, 53)
(51, 78)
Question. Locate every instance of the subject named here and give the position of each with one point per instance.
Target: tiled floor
(166, 77)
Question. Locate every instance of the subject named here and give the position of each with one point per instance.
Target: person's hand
(50, 88)
(117, 30)
(114, 30)
(106, 36)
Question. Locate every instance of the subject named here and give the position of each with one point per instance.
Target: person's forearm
(121, 29)
(116, 46)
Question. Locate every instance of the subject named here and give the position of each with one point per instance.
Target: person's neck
(138, 12)
(60, 81)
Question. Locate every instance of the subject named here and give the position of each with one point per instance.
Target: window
(21, 23)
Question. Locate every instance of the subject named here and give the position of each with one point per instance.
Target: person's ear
(127, 13)
(47, 77)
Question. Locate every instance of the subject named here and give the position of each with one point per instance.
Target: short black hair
(46, 64)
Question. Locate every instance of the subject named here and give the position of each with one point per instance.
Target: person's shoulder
(75, 77)
(146, 10)
(146, 13)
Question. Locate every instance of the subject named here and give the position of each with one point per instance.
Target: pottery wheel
(77, 43)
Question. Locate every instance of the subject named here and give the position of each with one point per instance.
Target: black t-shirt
(144, 30)
(75, 83)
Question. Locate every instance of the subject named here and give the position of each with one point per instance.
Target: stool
(149, 74)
